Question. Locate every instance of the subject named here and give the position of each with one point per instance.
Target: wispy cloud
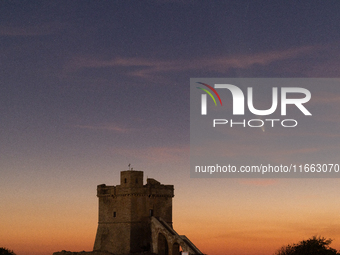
(155, 154)
(106, 127)
(326, 98)
(237, 152)
(147, 68)
(30, 30)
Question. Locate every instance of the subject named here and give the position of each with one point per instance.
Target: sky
(88, 87)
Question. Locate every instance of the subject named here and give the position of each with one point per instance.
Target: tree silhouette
(312, 246)
(4, 251)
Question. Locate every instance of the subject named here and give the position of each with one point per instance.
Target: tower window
(125, 180)
(151, 212)
(136, 180)
(114, 214)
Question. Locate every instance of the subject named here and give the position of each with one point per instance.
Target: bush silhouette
(312, 246)
(4, 251)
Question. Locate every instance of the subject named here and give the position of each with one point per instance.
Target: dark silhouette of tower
(125, 213)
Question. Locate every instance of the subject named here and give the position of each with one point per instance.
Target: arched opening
(163, 248)
(176, 249)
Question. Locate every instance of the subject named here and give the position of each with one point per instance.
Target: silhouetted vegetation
(4, 251)
(312, 246)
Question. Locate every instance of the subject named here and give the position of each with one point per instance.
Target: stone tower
(137, 218)
(126, 210)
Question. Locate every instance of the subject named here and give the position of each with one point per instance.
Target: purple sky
(87, 87)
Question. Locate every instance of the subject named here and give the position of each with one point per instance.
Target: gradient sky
(87, 87)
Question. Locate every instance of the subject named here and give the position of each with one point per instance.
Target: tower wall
(125, 211)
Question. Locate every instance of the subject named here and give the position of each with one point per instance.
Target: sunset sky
(87, 87)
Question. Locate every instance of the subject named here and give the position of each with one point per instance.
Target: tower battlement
(131, 183)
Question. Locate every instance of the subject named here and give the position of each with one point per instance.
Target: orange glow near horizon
(48, 235)
(220, 216)
(257, 223)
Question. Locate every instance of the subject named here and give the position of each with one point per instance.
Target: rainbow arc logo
(204, 97)
(208, 92)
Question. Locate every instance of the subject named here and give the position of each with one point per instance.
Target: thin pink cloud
(251, 149)
(155, 154)
(147, 68)
(105, 127)
(325, 97)
(30, 30)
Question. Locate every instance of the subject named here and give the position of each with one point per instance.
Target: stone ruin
(136, 218)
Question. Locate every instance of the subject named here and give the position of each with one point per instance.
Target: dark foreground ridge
(63, 252)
